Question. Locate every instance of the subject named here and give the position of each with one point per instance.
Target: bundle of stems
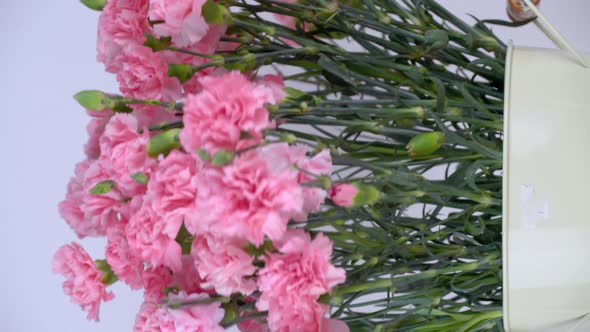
(415, 109)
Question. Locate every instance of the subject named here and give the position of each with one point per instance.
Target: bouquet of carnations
(356, 185)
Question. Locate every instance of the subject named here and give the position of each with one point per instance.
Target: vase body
(546, 237)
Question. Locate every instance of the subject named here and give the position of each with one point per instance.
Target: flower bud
(214, 13)
(518, 11)
(163, 143)
(354, 195)
(425, 144)
(182, 71)
(94, 100)
(94, 4)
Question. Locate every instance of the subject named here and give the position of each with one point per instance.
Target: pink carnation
(246, 200)
(253, 325)
(294, 278)
(223, 265)
(188, 278)
(343, 194)
(311, 167)
(147, 319)
(153, 238)
(83, 280)
(95, 130)
(88, 214)
(192, 318)
(124, 153)
(172, 188)
(123, 261)
(182, 20)
(228, 107)
(144, 75)
(121, 23)
(155, 280)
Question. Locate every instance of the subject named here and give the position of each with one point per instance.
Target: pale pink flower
(121, 23)
(294, 278)
(172, 188)
(144, 75)
(88, 214)
(192, 318)
(309, 169)
(155, 280)
(188, 278)
(228, 108)
(83, 280)
(247, 199)
(275, 84)
(123, 261)
(224, 265)
(124, 153)
(150, 115)
(343, 194)
(95, 129)
(153, 238)
(182, 20)
(147, 319)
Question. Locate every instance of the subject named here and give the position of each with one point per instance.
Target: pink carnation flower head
(228, 108)
(144, 75)
(155, 280)
(182, 20)
(89, 214)
(192, 318)
(121, 23)
(123, 261)
(172, 188)
(153, 238)
(343, 194)
(83, 280)
(294, 278)
(247, 200)
(147, 319)
(124, 153)
(223, 265)
(310, 168)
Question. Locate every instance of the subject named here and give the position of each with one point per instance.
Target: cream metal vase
(547, 189)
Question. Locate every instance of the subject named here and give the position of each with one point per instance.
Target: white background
(47, 53)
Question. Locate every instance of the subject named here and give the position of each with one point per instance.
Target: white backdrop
(47, 53)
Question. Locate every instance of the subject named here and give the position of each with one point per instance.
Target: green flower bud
(182, 71)
(214, 13)
(163, 143)
(366, 195)
(94, 4)
(425, 144)
(289, 138)
(94, 100)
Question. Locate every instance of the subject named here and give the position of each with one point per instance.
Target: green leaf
(140, 178)
(157, 44)
(163, 143)
(214, 13)
(222, 158)
(203, 154)
(94, 4)
(94, 100)
(102, 187)
(182, 71)
(294, 93)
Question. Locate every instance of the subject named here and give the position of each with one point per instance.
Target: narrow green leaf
(140, 178)
(102, 187)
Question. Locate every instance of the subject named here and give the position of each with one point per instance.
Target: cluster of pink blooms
(195, 232)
